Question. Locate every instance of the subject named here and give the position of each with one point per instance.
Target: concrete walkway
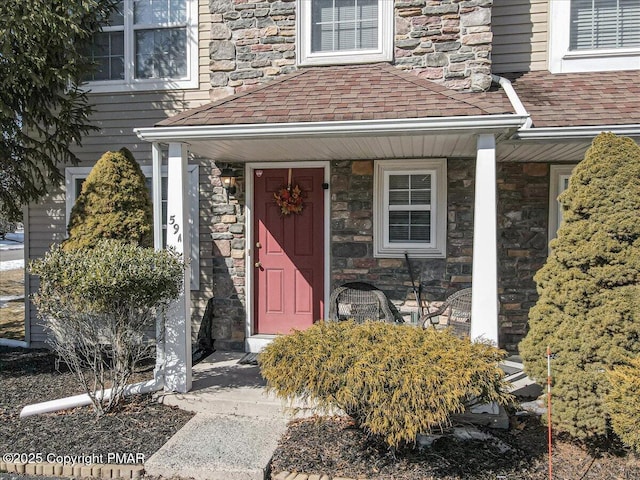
(235, 430)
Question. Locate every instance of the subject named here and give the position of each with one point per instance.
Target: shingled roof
(360, 92)
(579, 99)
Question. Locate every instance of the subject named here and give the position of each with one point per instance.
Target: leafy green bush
(98, 305)
(114, 203)
(588, 310)
(623, 402)
(395, 381)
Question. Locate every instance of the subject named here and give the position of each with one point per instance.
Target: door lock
(258, 245)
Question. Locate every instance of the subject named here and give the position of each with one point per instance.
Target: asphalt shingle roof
(360, 92)
(579, 99)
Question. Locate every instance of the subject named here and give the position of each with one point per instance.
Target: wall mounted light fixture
(228, 177)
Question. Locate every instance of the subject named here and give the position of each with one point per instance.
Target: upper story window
(410, 208)
(344, 31)
(147, 45)
(594, 35)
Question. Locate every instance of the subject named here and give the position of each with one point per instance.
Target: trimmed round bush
(623, 402)
(99, 307)
(588, 310)
(395, 381)
(114, 203)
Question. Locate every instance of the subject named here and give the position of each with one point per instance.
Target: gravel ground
(141, 426)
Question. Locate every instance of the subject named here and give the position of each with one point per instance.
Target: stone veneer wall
(446, 41)
(523, 218)
(523, 190)
(352, 236)
(228, 263)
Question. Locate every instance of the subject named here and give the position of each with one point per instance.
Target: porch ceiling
(335, 148)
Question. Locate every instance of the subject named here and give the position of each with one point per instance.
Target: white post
(178, 325)
(156, 199)
(156, 192)
(484, 301)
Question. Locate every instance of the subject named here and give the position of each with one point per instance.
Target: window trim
(384, 52)
(72, 174)
(437, 248)
(557, 174)
(563, 60)
(130, 83)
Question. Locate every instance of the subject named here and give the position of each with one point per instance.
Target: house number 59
(176, 228)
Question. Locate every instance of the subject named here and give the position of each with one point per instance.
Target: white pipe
(84, 399)
(7, 342)
(514, 99)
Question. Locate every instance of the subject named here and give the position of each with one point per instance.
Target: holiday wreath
(289, 198)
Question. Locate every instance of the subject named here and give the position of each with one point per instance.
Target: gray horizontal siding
(116, 115)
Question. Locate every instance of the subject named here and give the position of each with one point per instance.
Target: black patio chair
(360, 302)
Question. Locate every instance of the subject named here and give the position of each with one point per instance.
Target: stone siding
(228, 264)
(446, 41)
(352, 237)
(523, 217)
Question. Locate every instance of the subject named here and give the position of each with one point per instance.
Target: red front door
(288, 252)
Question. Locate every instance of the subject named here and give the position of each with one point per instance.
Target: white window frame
(141, 84)
(564, 60)
(383, 52)
(437, 248)
(72, 174)
(558, 174)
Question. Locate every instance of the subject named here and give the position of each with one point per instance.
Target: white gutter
(514, 99)
(577, 133)
(84, 399)
(475, 123)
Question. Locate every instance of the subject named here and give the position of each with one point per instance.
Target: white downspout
(514, 99)
(84, 399)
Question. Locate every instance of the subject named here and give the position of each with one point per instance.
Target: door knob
(258, 264)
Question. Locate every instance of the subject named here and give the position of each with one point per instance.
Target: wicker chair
(456, 310)
(361, 301)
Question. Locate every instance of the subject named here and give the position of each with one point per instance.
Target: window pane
(161, 53)
(147, 12)
(107, 51)
(338, 25)
(410, 227)
(410, 189)
(117, 16)
(604, 24)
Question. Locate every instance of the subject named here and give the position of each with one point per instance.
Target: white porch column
(156, 193)
(156, 199)
(178, 324)
(484, 301)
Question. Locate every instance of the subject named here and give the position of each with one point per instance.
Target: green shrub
(588, 311)
(114, 203)
(98, 306)
(395, 381)
(623, 402)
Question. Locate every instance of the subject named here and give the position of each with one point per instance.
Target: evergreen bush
(623, 402)
(98, 306)
(588, 311)
(114, 203)
(395, 381)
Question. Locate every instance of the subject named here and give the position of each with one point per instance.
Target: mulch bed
(140, 425)
(335, 448)
(332, 446)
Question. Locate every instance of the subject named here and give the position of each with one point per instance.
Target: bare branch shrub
(99, 305)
